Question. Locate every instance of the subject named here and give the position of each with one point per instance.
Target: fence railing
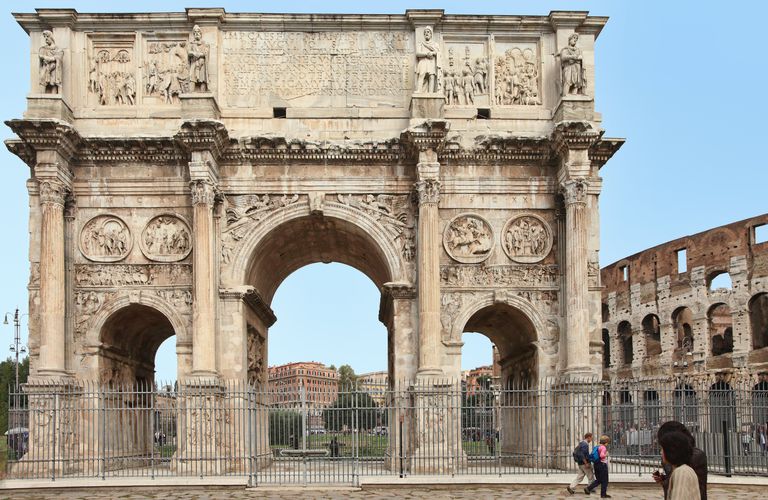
(328, 435)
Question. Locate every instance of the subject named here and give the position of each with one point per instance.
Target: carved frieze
(105, 238)
(112, 75)
(537, 275)
(468, 238)
(118, 275)
(527, 238)
(516, 75)
(466, 74)
(166, 70)
(305, 65)
(166, 238)
(393, 212)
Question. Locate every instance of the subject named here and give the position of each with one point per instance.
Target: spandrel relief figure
(527, 239)
(50, 65)
(468, 238)
(428, 67)
(574, 78)
(199, 52)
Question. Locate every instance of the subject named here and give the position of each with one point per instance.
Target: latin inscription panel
(324, 68)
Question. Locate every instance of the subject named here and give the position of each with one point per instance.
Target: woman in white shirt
(676, 450)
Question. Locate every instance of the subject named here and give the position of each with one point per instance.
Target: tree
(7, 380)
(282, 425)
(354, 410)
(347, 377)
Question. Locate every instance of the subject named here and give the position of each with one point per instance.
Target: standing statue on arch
(574, 77)
(198, 61)
(428, 68)
(50, 65)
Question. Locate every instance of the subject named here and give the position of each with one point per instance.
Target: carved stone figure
(527, 238)
(255, 359)
(111, 276)
(481, 75)
(50, 58)
(516, 78)
(537, 275)
(428, 68)
(198, 61)
(574, 80)
(166, 70)
(112, 78)
(468, 239)
(105, 238)
(166, 238)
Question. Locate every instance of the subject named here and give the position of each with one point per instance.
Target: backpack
(577, 456)
(594, 457)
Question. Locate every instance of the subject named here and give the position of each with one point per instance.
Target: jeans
(601, 478)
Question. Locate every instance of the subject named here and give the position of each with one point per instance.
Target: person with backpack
(599, 459)
(581, 457)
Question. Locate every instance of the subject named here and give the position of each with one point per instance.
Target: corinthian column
(53, 193)
(203, 310)
(576, 279)
(428, 248)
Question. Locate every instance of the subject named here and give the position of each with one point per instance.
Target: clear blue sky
(684, 82)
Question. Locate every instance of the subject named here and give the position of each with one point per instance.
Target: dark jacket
(699, 465)
(582, 454)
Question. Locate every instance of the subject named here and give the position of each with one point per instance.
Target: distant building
(320, 384)
(471, 378)
(375, 384)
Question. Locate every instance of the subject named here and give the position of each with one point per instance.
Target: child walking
(601, 469)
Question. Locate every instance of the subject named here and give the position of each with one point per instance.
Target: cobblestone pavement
(634, 492)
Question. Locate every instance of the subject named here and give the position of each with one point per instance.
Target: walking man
(581, 457)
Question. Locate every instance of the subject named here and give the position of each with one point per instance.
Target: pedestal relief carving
(393, 212)
(573, 75)
(468, 238)
(112, 76)
(50, 59)
(166, 238)
(466, 74)
(516, 75)
(105, 238)
(527, 239)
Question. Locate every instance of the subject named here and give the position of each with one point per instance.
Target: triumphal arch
(182, 165)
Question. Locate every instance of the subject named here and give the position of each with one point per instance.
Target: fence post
(726, 450)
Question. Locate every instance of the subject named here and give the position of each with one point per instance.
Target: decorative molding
(253, 299)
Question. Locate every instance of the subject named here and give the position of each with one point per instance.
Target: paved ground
(634, 492)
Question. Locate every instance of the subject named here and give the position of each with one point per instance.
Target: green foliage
(282, 425)
(477, 410)
(347, 377)
(7, 380)
(354, 410)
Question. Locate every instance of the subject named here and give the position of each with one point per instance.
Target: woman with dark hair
(676, 450)
(698, 461)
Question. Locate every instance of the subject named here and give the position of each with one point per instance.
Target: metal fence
(319, 435)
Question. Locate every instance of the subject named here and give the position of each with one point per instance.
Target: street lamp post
(17, 347)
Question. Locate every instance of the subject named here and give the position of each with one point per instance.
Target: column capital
(574, 191)
(428, 191)
(53, 192)
(203, 191)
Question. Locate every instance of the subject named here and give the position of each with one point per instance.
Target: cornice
(574, 135)
(493, 149)
(47, 135)
(604, 149)
(22, 150)
(252, 298)
(204, 135)
(430, 135)
(158, 150)
(281, 150)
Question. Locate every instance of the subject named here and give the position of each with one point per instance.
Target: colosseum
(685, 323)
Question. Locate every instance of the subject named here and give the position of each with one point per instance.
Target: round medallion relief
(166, 238)
(468, 238)
(105, 238)
(527, 238)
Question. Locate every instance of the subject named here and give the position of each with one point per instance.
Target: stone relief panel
(105, 238)
(166, 238)
(466, 74)
(394, 212)
(255, 358)
(517, 70)
(451, 304)
(527, 238)
(537, 275)
(87, 303)
(118, 275)
(304, 67)
(166, 70)
(468, 238)
(112, 71)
